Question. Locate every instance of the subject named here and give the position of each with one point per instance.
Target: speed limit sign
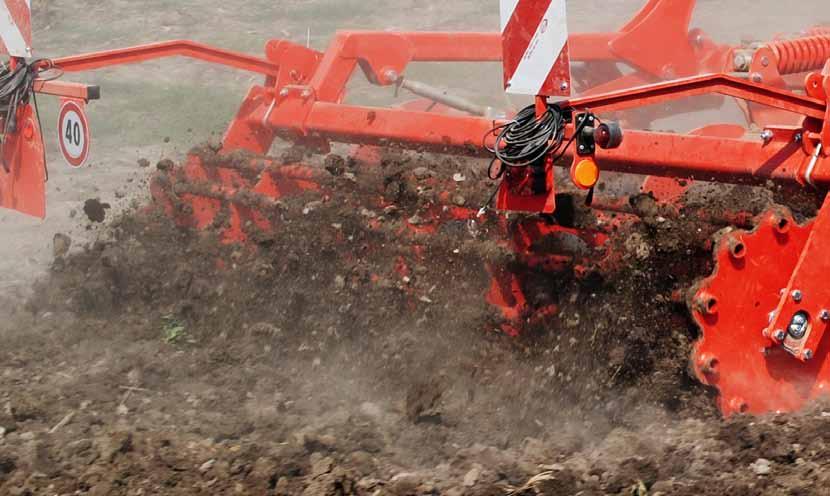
(73, 134)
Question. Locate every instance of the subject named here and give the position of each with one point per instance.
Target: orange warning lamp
(585, 173)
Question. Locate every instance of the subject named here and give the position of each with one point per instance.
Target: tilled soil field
(157, 360)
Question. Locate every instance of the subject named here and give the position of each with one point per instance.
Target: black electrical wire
(16, 87)
(529, 138)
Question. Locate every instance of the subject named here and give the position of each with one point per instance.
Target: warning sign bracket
(535, 46)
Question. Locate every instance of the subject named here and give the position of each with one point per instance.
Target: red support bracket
(801, 320)
(23, 168)
(63, 89)
(663, 26)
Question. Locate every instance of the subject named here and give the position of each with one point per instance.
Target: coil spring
(818, 31)
(802, 54)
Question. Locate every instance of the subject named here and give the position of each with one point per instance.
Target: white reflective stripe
(507, 7)
(808, 175)
(544, 50)
(11, 35)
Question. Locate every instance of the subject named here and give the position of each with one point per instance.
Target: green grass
(173, 330)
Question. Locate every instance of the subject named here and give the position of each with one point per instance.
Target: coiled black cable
(527, 138)
(16, 87)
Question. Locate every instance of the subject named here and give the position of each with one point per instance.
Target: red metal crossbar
(152, 51)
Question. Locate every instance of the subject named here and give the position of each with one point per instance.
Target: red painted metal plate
(23, 167)
(732, 309)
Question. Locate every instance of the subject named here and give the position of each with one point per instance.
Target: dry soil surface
(150, 359)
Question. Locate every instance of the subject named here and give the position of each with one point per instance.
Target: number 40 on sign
(73, 133)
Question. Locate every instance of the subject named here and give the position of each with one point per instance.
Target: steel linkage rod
(152, 51)
(702, 85)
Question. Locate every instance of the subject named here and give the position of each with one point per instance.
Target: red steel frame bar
(152, 51)
(642, 152)
(67, 90)
(701, 85)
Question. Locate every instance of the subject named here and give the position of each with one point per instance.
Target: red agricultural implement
(764, 311)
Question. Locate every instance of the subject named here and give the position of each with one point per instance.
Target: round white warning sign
(73, 134)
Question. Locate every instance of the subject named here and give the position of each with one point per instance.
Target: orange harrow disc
(732, 308)
(230, 194)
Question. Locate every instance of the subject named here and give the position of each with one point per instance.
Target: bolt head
(797, 137)
(807, 354)
(780, 335)
(765, 61)
(391, 75)
(284, 92)
(756, 78)
(824, 314)
(564, 86)
(797, 295)
(766, 135)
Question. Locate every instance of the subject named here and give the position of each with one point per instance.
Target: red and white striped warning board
(535, 44)
(16, 27)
